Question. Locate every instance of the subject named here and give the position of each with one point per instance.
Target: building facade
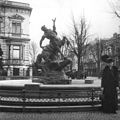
(114, 48)
(109, 46)
(14, 36)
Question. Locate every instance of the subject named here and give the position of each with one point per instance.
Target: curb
(49, 108)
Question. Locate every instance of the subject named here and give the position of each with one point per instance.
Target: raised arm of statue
(42, 39)
(54, 27)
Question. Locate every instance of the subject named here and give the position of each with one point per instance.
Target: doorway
(15, 71)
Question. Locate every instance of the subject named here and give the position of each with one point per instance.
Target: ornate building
(14, 36)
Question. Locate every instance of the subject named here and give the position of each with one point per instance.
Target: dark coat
(109, 82)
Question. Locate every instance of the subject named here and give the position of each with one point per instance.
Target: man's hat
(107, 59)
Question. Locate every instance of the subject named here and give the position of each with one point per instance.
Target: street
(96, 115)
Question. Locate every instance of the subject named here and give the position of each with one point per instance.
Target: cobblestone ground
(60, 116)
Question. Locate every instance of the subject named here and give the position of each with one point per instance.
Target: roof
(13, 4)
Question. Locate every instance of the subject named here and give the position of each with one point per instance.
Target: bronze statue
(54, 27)
(50, 52)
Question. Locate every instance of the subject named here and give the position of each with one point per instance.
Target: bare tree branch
(33, 51)
(115, 6)
(80, 37)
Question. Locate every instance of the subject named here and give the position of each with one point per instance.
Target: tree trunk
(98, 68)
(79, 67)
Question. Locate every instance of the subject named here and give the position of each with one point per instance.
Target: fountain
(52, 61)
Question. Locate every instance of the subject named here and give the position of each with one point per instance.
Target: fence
(35, 96)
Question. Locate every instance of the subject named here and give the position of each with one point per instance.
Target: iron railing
(47, 95)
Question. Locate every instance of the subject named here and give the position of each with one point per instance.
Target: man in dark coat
(109, 85)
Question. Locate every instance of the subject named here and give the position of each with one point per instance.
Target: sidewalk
(96, 115)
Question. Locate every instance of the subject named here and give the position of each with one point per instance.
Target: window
(16, 52)
(16, 29)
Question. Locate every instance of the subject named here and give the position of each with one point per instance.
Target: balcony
(14, 62)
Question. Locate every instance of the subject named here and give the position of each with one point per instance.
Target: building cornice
(9, 39)
(12, 5)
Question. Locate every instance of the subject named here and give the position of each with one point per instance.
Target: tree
(33, 52)
(78, 40)
(96, 52)
(115, 5)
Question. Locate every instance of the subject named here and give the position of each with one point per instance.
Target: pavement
(92, 115)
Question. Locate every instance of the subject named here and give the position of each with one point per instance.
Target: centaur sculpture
(51, 58)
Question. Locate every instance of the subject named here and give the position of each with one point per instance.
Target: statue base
(53, 77)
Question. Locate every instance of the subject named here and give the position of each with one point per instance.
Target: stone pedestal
(53, 77)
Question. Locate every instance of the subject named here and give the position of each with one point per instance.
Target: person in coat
(109, 85)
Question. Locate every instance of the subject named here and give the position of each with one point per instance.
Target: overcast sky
(98, 13)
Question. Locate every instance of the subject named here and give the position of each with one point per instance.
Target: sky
(97, 13)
